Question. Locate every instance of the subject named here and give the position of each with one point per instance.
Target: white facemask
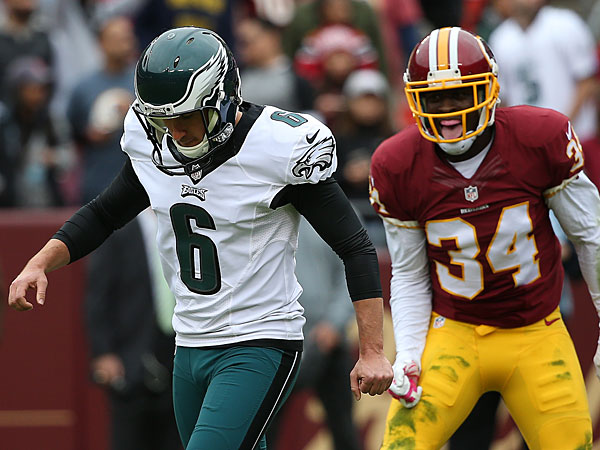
(457, 148)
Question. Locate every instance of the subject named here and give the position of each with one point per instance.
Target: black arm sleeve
(119, 203)
(330, 213)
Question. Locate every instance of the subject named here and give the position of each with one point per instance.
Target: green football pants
(224, 398)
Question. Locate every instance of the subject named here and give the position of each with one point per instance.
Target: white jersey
(541, 65)
(228, 257)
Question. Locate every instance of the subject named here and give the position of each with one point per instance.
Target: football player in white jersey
(228, 181)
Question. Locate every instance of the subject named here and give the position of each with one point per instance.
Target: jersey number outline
(512, 247)
(196, 252)
(292, 119)
(575, 152)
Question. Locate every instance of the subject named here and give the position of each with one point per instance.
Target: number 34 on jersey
(512, 247)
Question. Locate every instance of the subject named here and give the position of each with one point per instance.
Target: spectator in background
(75, 49)
(20, 36)
(591, 150)
(156, 16)
(2, 301)
(326, 358)
(269, 78)
(316, 14)
(472, 12)
(330, 53)
(7, 162)
(361, 128)
(591, 146)
(365, 124)
(448, 13)
(37, 155)
(327, 57)
(404, 17)
(547, 57)
(593, 20)
(131, 347)
(403, 26)
(98, 105)
(279, 12)
(493, 14)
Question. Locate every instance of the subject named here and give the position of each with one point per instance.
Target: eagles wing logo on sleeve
(318, 156)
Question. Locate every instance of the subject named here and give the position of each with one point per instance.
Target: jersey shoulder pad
(541, 137)
(298, 145)
(531, 125)
(399, 153)
(393, 167)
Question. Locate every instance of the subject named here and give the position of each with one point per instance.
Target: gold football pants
(535, 369)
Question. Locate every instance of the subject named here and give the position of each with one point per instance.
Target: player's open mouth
(451, 128)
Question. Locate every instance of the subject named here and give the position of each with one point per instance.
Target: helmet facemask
(210, 119)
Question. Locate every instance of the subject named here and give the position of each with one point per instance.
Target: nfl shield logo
(471, 193)
(439, 322)
(196, 174)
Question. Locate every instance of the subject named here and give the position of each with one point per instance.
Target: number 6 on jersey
(197, 254)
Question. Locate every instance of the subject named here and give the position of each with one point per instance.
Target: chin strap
(457, 148)
(193, 152)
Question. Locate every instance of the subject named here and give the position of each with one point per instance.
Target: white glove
(404, 387)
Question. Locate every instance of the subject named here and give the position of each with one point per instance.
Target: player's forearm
(411, 312)
(52, 256)
(332, 216)
(577, 207)
(410, 289)
(369, 318)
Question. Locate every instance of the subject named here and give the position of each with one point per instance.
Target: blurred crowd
(66, 74)
(66, 78)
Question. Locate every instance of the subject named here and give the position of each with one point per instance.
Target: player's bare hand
(108, 370)
(29, 278)
(371, 375)
(326, 336)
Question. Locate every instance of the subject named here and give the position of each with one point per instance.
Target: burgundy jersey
(494, 258)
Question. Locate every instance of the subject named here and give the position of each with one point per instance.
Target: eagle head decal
(318, 156)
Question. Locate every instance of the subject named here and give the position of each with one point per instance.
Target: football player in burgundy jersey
(465, 196)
